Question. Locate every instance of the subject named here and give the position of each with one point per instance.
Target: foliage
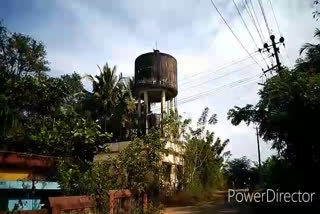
(204, 155)
(95, 181)
(316, 12)
(114, 105)
(41, 114)
(21, 55)
(73, 136)
(275, 174)
(141, 162)
(174, 127)
(241, 173)
(310, 62)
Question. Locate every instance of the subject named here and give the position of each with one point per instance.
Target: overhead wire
(214, 5)
(216, 70)
(230, 85)
(221, 67)
(264, 16)
(221, 76)
(280, 33)
(256, 17)
(254, 20)
(245, 80)
(247, 28)
(275, 18)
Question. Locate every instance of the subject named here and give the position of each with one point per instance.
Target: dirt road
(219, 205)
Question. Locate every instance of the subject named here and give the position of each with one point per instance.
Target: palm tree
(125, 111)
(311, 60)
(114, 105)
(106, 87)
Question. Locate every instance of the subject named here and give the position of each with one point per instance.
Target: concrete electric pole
(276, 51)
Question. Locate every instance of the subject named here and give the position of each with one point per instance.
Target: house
(26, 180)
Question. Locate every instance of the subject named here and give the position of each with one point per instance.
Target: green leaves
(114, 105)
(74, 137)
(21, 55)
(241, 173)
(139, 158)
(203, 154)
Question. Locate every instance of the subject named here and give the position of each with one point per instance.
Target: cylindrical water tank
(156, 71)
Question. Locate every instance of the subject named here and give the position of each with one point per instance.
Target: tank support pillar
(175, 104)
(139, 106)
(163, 103)
(171, 105)
(146, 107)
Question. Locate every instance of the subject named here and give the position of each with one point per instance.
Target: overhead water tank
(154, 72)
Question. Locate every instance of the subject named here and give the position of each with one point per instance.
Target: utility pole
(259, 158)
(276, 51)
(258, 143)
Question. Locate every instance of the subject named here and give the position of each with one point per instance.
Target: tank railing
(153, 82)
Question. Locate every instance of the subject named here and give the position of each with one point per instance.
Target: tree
(21, 59)
(241, 173)
(204, 155)
(21, 55)
(288, 108)
(316, 13)
(29, 103)
(42, 114)
(71, 136)
(275, 174)
(311, 61)
(114, 105)
(95, 181)
(141, 162)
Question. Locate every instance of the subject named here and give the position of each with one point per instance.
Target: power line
(264, 17)
(234, 84)
(185, 83)
(221, 76)
(275, 18)
(254, 21)
(234, 33)
(244, 23)
(255, 15)
(221, 67)
(229, 85)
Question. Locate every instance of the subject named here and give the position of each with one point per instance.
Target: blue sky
(80, 34)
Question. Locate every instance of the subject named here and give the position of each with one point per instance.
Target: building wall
(173, 159)
(23, 182)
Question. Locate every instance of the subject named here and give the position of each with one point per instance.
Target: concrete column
(163, 102)
(139, 106)
(175, 105)
(171, 104)
(146, 107)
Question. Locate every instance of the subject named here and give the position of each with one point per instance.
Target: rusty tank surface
(156, 71)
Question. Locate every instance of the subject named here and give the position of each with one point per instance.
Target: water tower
(155, 82)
